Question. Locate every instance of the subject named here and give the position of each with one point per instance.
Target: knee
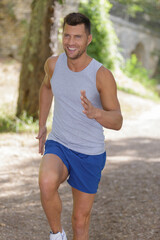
(48, 184)
(80, 222)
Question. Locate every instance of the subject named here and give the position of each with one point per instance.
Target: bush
(104, 44)
(134, 69)
(10, 123)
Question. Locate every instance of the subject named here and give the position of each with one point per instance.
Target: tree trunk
(36, 52)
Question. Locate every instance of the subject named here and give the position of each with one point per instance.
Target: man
(85, 97)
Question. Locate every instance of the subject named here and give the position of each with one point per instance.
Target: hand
(89, 109)
(42, 138)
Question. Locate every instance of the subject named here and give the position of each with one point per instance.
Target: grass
(152, 95)
(135, 71)
(10, 123)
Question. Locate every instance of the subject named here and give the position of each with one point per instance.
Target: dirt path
(127, 206)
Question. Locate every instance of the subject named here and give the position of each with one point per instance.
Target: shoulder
(104, 78)
(104, 73)
(50, 65)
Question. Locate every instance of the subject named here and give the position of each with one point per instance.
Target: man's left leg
(82, 205)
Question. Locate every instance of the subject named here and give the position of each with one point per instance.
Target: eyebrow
(77, 35)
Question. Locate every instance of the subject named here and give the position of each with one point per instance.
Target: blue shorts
(84, 170)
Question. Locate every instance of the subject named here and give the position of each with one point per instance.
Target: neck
(77, 65)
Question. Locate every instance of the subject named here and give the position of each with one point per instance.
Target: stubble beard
(78, 55)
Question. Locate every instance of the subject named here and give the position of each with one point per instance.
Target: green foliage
(151, 8)
(134, 69)
(7, 124)
(133, 9)
(61, 1)
(10, 123)
(104, 43)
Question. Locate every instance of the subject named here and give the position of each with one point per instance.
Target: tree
(37, 50)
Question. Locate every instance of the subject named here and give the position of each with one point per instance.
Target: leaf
(61, 1)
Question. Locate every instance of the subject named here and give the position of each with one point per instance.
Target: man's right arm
(45, 101)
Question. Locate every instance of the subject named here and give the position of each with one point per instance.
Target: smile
(71, 49)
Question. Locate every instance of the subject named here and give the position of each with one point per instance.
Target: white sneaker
(64, 237)
(58, 236)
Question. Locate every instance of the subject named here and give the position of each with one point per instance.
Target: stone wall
(139, 40)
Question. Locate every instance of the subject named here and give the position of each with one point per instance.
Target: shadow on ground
(141, 148)
(127, 205)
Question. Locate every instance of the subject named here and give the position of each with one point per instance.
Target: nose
(71, 41)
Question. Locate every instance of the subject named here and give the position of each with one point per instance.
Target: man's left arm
(110, 116)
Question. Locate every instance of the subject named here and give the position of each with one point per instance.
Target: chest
(67, 87)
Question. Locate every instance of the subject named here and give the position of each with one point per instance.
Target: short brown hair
(74, 19)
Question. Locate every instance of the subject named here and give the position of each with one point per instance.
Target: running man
(85, 98)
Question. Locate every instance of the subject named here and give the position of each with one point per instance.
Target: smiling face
(75, 40)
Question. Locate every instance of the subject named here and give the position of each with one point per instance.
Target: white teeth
(72, 49)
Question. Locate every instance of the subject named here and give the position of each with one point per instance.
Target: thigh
(85, 171)
(82, 203)
(53, 168)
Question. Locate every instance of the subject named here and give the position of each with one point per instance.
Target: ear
(89, 39)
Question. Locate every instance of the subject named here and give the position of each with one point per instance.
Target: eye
(66, 35)
(78, 36)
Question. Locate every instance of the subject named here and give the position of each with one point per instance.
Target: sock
(54, 233)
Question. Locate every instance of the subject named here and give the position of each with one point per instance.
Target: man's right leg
(52, 173)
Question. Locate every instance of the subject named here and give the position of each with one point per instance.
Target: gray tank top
(70, 126)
